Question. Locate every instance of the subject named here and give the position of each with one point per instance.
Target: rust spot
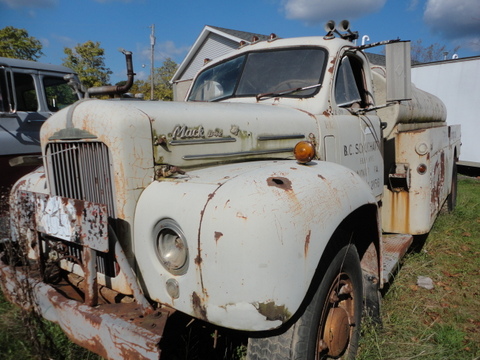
(326, 113)
(280, 182)
(77, 204)
(218, 235)
(321, 177)
(308, 113)
(274, 312)
(307, 242)
(198, 307)
(437, 184)
(241, 216)
(198, 259)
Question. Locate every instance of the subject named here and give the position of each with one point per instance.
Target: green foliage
(163, 90)
(88, 61)
(15, 43)
(24, 335)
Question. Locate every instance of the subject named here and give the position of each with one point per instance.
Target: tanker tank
(424, 110)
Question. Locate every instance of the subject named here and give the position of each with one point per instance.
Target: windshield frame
(319, 53)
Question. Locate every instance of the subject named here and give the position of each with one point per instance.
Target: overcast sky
(126, 23)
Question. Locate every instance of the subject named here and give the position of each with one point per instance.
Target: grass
(442, 323)
(24, 335)
(438, 324)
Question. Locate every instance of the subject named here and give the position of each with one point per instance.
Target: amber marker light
(422, 169)
(304, 151)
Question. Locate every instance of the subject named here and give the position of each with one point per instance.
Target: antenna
(152, 50)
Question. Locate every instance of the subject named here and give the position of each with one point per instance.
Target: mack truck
(276, 201)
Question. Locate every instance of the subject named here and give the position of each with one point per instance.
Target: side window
(57, 93)
(348, 84)
(25, 92)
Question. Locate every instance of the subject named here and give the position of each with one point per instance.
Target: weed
(442, 323)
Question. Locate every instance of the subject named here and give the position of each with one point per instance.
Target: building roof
(243, 35)
(376, 59)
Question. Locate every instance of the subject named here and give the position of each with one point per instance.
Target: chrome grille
(73, 253)
(82, 171)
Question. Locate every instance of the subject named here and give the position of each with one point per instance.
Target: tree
(15, 43)
(88, 61)
(433, 52)
(163, 90)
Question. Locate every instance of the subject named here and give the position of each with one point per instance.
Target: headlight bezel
(171, 246)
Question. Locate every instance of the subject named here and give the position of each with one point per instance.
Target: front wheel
(330, 326)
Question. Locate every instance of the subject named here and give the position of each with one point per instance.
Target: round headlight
(171, 246)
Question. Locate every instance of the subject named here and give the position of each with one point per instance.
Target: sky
(127, 24)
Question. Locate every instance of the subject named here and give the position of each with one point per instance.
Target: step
(394, 247)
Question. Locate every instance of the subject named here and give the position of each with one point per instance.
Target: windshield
(265, 72)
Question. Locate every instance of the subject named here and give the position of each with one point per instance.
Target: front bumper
(114, 331)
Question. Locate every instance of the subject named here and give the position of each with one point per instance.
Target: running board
(394, 247)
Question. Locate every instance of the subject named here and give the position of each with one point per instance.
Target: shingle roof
(376, 59)
(247, 36)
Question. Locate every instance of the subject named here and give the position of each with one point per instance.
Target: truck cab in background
(30, 92)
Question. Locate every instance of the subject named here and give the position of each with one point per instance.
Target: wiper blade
(269, 95)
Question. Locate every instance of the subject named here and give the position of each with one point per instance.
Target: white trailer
(456, 83)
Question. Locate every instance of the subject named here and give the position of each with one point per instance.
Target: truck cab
(30, 92)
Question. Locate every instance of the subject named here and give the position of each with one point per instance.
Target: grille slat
(81, 170)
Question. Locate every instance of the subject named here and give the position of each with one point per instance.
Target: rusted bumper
(114, 331)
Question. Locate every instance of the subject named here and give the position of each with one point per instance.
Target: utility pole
(152, 47)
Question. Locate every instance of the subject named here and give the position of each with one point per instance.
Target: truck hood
(188, 134)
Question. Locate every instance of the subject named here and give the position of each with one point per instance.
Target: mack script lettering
(185, 132)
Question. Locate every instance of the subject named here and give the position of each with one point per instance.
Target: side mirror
(398, 64)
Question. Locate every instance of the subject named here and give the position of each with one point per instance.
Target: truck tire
(330, 326)
(452, 197)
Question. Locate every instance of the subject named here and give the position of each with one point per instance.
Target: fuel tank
(423, 107)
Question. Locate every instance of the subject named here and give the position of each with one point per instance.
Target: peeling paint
(198, 307)
(218, 235)
(307, 242)
(273, 312)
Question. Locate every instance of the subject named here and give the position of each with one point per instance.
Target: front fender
(255, 234)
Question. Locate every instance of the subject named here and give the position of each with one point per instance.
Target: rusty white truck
(276, 201)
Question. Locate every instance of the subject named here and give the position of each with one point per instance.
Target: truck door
(359, 130)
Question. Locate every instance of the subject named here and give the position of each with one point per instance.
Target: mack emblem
(185, 132)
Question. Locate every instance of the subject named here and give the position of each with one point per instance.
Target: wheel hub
(337, 331)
